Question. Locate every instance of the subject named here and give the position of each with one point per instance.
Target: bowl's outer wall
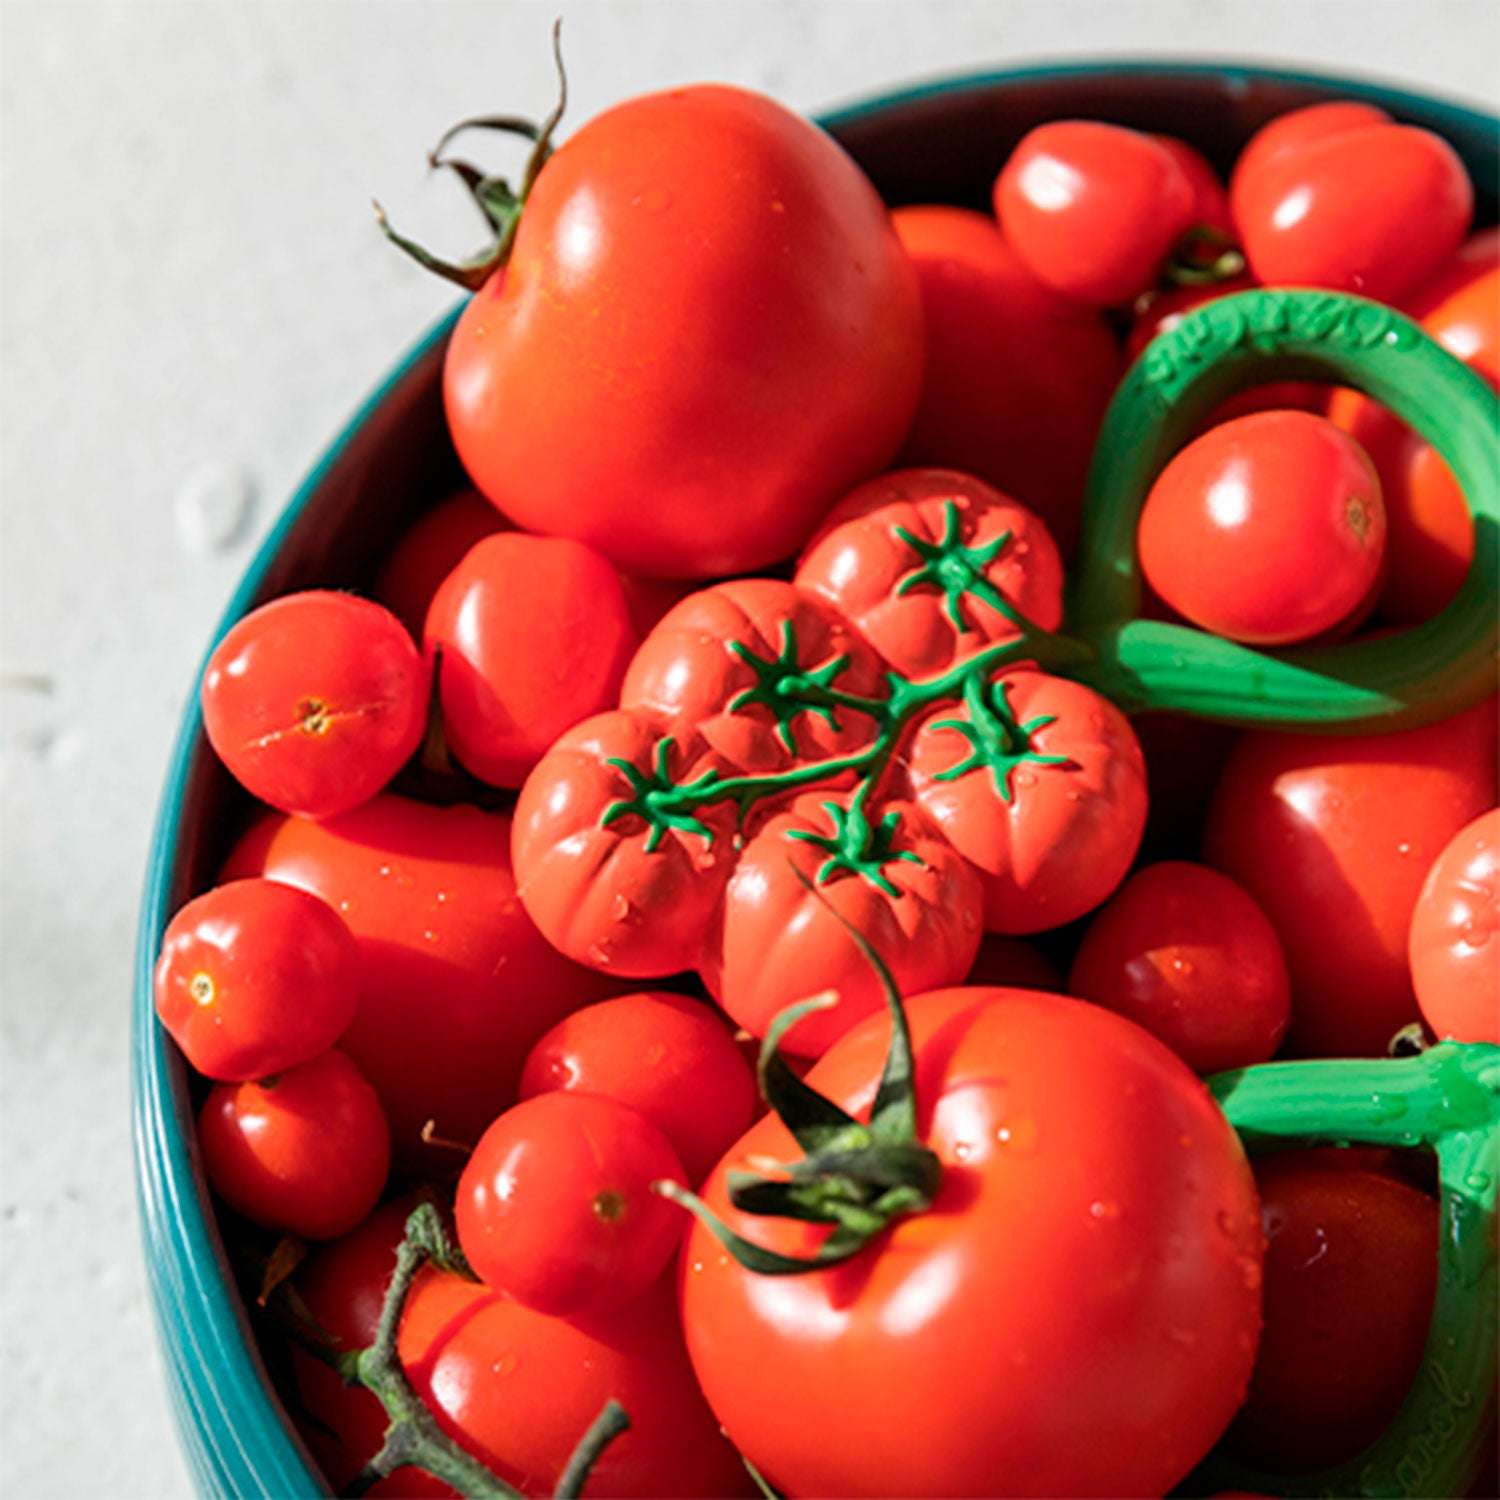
(237, 1436)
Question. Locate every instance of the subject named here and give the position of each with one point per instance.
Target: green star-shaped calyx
(784, 688)
(957, 570)
(997, 740)
(856, 846)
(661, 802)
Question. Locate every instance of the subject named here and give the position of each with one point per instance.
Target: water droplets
(1019, 1134)
(1104, 1211)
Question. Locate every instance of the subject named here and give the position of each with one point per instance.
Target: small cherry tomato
(1268, 529)
(255, 977)
(1293, 131)
(1013, 963)
(1093, 209)
(933, 565)
(305, 1151)
(1210, 200)
(1183, 951)
(669, 1057)
(429, 550)
(1454, 946)
(315, 700)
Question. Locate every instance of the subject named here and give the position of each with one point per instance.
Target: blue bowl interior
(941, 142)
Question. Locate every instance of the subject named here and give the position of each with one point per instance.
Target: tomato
(1454, 947)
(1184, 952)
(1358, 205)
(1045, 796)
(775, 941)
(716, 660)
(667, 1056)
(533, 635)
(1350, 1275)
(1333, 836)
(919, 558)
(1293, 132)
(1094, 210)
(1076, 1314)
(455, 981)
(1268, 529)
(705, 333)
(1210, 201)
(1016, 379)
(428, 552)
(1014, 964)
(305, 1151)
(314, 701)
(254, 977)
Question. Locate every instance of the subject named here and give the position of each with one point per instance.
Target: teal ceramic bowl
(939, 142)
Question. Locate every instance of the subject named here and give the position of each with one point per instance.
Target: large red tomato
(706, 332)
(1077, 1313)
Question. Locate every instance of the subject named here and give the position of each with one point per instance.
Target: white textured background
(192, 299)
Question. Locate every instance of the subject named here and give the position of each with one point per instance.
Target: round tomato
(1292, 132)
(1075, 1315)
(927, 562)
(429, 550)
(705, 332)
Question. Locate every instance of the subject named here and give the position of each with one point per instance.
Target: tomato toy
(429, 551)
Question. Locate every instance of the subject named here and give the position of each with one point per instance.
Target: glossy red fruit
(429, 550)
(1210, 200)
(1292, 132)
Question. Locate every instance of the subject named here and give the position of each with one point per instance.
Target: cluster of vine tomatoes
(750, 793)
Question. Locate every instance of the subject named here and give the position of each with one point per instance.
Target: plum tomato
(255, 977)
(1013, 963)
(555, 1206)
(1040, 784)
(315, 700)
(780, 933)
(1267, 529)
(1017, 378)
(932, 566)
(1454, 947)
(1183, 951)
(429, 550)
(669, 1057)
(609, 387)
(1075, 1315)
(305, 1151)
(532, 635)
(1332, 836)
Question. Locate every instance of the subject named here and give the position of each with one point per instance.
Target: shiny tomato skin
(1454, 947)
(669, 1057)
(1017, 377)
(532, 635)
(315, 700)
(858, 562)
(611, 387)
(1333, 836)
(429, 550)
(1268, 529)
(1076, 1315)
(1292, 132)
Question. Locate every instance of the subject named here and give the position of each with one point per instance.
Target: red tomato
(1454, 947)
(314, 701)
(706, 331)
(428, 552)
(667, 1056)
(917, 558)
(254, 977)
(1293, 132)
(1014, 964)
(1093, 209)
(1016, 379)
(775, 942)
(306, 1151)
(534, 633)
(1268, 529)
(1351, 1268)
(455, 983)
(1184, 952)
(1052, 818)
(1210, 201)
(1076, 1314)
(1332, 836)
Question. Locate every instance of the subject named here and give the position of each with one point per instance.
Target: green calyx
(998, 741)
(856, 847)
(786, 690)
(957, 570)
(663, 804)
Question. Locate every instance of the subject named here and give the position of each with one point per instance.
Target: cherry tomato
(1013, 963)
(1293, 132)
(255, 977)
(1454, 947)
(1332, 836)
(1016, 379)
(1184, 952)
(533, 634)
(1267, 529)
(780, 936)
(1350, 1274)
(669, 1057)
(1075, 1315)
(1093, 209)
(1046, 798)
(314, 701)
(305, 1151)
(1210, 201)
(919, 558)
(706, 331)
(429, 551)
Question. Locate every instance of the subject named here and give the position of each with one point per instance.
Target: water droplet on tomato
(1403, 848)
(1104, 1210)
(1019, 1134)
(962, 1150)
